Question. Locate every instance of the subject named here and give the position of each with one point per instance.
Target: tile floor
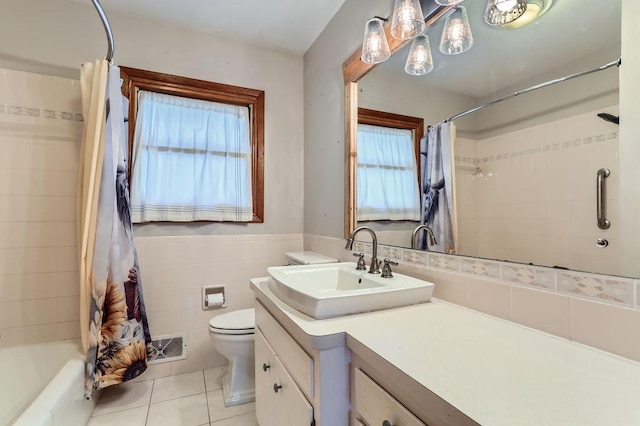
(192, 399)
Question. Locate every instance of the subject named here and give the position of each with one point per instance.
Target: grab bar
(601, 207)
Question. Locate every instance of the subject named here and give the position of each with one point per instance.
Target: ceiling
(291, 25)
(501, 58)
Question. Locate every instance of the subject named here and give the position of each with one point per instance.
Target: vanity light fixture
(375, 48)
(419, 61)
(456, 36)
(535, 9)
(449, 2)
(503, 12)
(407, 21)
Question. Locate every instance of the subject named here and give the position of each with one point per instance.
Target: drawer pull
(265, 367)
(386, 423)
(276, 387)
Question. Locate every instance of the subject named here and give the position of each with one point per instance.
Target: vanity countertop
(494, 371)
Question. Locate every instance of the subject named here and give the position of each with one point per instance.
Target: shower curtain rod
(107, 29)
(536, 87)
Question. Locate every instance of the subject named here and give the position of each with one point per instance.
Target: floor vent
(169, 348)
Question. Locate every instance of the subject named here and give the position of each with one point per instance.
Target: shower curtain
(437, 170)
(115, 333)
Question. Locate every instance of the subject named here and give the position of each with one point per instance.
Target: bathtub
(43, 385)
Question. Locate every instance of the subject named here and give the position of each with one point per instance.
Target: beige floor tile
(217, 410)
(213, 378)
(178, 386)
(248, 419)
(131, 417)
(187, 411)
(123, 396)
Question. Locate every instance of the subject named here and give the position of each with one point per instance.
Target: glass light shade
(449, 2)
(419, 61)
(535, 9)
(407, 20)
(456, 36)
(501, 12)
(375, 48)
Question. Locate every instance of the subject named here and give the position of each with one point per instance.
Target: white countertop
(494, 371)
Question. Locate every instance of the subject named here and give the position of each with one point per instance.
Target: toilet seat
(239, 322)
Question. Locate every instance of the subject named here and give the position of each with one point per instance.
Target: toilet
(232, 335)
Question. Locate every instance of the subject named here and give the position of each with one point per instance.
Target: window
(196, 149)
(387, 166)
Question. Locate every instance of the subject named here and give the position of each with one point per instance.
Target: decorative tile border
(391, 252)
(529, 276)
(415, 257)
(479, 267)
(442, 261)
(608, 289)
(41, 113)
(611, 290)
(587, 140)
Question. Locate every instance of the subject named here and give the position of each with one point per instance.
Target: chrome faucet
(374, 268)
(432, 238)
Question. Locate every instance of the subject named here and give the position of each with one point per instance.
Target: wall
(39, 285)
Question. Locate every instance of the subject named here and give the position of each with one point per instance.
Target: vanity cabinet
(289, 388)
(279, 401)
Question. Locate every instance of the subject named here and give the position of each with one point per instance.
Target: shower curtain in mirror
(437, 170)
(115, 333)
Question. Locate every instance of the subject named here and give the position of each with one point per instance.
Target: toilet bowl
(232, 335)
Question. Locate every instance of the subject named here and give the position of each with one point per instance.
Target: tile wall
(174, 270)
(596, 310)
(536, 195)
(40, 129)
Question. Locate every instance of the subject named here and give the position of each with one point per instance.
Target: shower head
(609, 117)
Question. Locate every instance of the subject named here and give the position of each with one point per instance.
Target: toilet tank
(308, 258)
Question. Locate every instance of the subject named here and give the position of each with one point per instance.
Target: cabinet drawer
(265, 360)
(373, 405)
(293, 357)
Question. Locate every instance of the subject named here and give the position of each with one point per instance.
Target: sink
(331, 290)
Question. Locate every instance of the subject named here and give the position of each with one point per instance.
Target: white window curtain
(191, 161)
(387, 176)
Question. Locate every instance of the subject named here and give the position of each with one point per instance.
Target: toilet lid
(242, 320)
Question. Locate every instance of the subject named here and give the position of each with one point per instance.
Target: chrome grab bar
(601, 206)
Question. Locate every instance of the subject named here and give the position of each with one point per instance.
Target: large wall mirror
(524, 171)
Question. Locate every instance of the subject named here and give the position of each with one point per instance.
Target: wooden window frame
(136, 79)
(396, 121)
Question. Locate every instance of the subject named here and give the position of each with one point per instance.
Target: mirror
(525, 170)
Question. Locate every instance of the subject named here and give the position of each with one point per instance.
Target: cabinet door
(279, 401)
(266, 410)
(292, 406)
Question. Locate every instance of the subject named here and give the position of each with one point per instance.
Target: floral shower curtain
(115, 333)
(437, 170)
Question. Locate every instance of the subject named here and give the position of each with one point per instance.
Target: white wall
(59, 35)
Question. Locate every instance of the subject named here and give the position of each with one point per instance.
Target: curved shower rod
(615, 63)
(107, 29)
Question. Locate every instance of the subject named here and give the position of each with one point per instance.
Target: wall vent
(171, 347)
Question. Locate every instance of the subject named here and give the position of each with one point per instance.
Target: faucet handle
(361, 265)
(386, 269)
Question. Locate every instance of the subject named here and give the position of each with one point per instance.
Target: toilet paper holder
(216, 292)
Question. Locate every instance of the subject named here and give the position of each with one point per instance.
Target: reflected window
(387, 176)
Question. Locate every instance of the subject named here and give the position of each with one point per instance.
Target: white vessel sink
(324, 291)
